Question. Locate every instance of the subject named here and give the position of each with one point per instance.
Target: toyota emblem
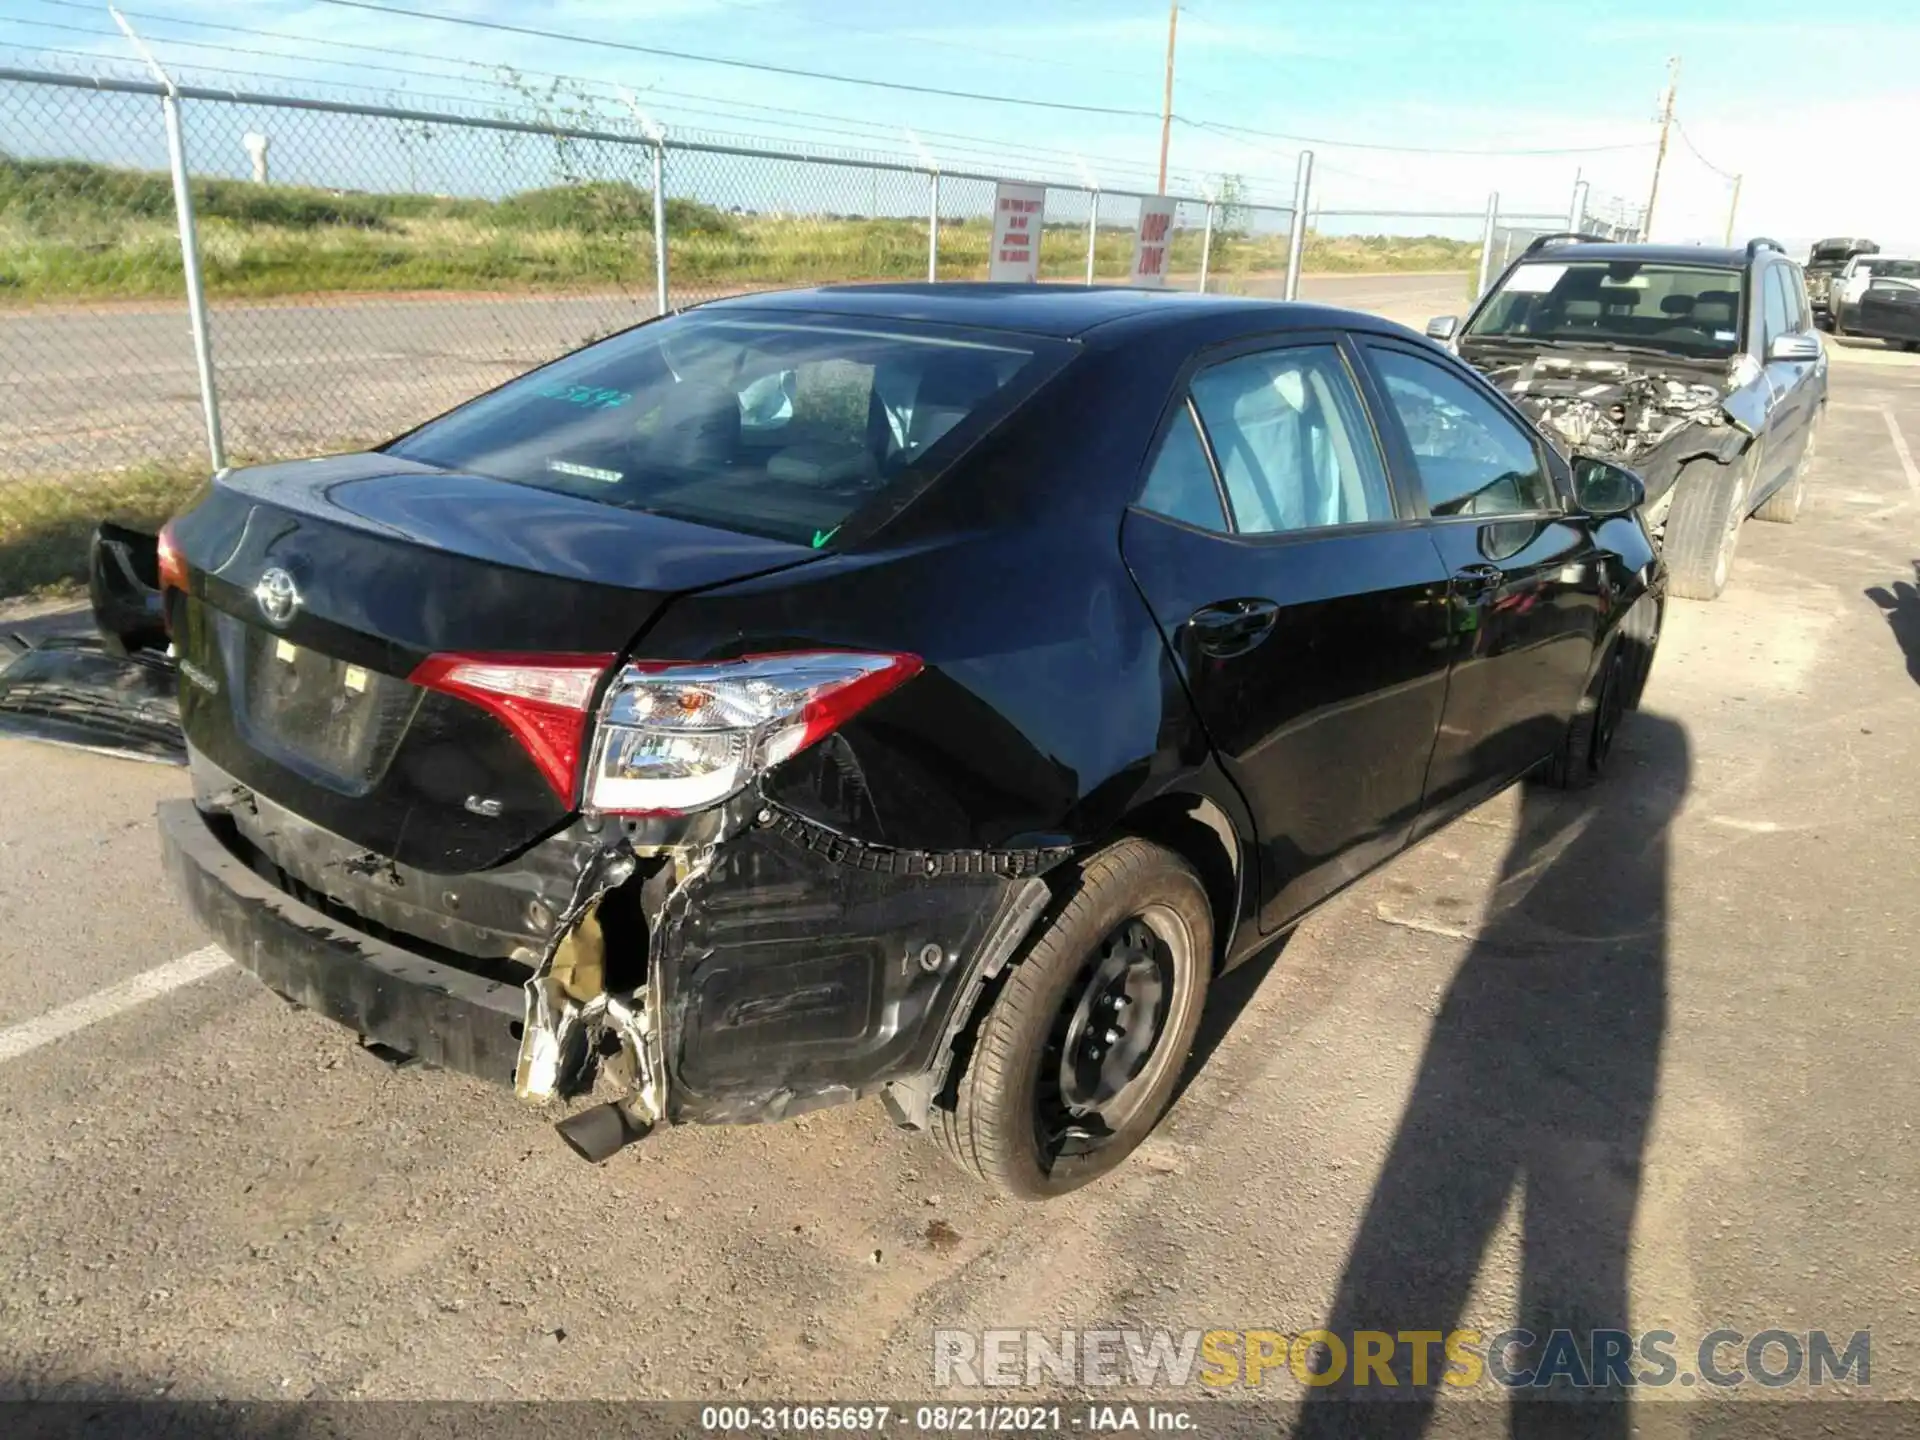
(276, 596)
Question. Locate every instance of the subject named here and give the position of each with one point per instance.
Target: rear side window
(1292, 441)
(764, 424)
(1180, 485)
(1473, 459)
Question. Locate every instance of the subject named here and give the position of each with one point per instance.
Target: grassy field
(45, 524)
(72, 231)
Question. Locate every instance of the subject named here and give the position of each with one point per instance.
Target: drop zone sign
(1152, 241)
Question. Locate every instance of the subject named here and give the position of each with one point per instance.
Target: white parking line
(1900, 449)
(30, 1035)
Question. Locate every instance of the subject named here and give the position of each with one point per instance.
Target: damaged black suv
(1699, 368)
(909, 690)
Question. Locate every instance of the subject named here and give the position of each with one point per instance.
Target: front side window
(1292, 441)
(1691, 310)
(766, 424)
(1472, 458)
(1777, 307)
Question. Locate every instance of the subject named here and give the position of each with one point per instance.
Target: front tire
(1783, 506)
(1583, 754)
(1703, 528)
(1078, 1055)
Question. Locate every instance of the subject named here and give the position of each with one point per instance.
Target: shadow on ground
(1537, 1087)
(1900, 603)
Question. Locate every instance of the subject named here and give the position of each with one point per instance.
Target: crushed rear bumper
(384, 993)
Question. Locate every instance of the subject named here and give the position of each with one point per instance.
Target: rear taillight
(675, 738)
(544, 700)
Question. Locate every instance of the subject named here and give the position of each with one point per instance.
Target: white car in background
(1886, 275)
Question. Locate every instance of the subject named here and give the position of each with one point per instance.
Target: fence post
(196, 288)
(189, 243)
(660, 222)
(1093, 227)
(1297, 241)
(1206, 248)
(933, 227)
(1486, 242)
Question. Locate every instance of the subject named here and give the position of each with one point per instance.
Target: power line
(870, 131)
(762, 67)
(1687, 140)
(1321, 140)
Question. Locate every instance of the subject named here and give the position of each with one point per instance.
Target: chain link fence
(364, 268)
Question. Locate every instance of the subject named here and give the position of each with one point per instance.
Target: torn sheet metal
(73, 691)
(568, 1007)
(800, 967)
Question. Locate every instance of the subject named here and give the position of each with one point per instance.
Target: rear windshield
(772, 425)
(1690, 310)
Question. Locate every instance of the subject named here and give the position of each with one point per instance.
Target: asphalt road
(95, 388)
(1643, 1058)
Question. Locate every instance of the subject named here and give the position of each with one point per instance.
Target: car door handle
(1233, 627)
(1475, 580)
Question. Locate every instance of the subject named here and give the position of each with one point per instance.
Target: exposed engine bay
(1609, 407)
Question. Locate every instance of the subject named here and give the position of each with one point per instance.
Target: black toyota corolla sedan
(922, 691)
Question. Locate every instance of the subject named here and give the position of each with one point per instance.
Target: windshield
(1881, 269)
(1685, 309)
(775, 425)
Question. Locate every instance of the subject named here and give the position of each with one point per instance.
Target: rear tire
(1128, 955)
(1703, 527)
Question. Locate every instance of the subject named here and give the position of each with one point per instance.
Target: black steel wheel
(1078, 1054)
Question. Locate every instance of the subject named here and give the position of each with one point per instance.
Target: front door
(1783, 312)
(1523, 575)
(1306, 610)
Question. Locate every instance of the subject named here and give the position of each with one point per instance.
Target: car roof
(1712, 256)
(1062, 311)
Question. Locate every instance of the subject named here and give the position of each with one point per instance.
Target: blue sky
(1767, 88)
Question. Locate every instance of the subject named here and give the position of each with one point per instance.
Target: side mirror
(1441, 327)
(1602, 489)
(1801, 349)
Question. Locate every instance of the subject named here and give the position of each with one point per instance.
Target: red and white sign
(1153, 241)
(1016, 233)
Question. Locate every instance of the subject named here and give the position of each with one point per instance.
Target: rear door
(1305, 608)
(1524, 573)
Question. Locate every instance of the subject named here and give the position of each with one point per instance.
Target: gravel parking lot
(1639, 1059)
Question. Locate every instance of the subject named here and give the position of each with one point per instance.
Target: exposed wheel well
(1197, 830)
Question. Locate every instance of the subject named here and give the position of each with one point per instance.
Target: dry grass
(45, 524)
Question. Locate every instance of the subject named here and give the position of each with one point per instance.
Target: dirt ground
(1639, 1059)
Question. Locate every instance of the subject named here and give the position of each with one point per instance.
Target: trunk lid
(318, 587)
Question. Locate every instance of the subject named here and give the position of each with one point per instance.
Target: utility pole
(1166, 103)
(1733, 208)
(1660, 155)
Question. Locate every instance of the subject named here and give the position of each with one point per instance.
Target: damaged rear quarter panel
(798, 968)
